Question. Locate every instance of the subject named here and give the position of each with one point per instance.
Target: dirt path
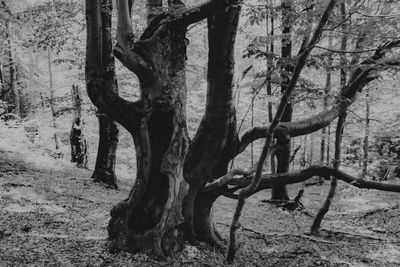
(59, 218)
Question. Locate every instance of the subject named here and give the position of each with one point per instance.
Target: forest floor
(58, 217)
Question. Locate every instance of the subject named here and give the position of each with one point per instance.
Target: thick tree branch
(269, 181)
(232, 174)
(125, 49)
(361, 76)
(100, 70)
(187, 16)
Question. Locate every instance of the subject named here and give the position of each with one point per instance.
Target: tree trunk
(213, 145)
(104, 170)
(52, 98)
(1, 79)
(366, 135)
(77, 139)
(327, 90)
(270, 62)
(328, 147)
(279, 193)
(13, 72)
(150, 218)
(311, 150)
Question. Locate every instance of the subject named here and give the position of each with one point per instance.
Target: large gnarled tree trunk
(150, 217)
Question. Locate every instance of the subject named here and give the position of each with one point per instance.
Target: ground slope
(57, 216)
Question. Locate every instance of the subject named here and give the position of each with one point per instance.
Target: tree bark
(52, 97)
(104, 171)
(325, 208)
(213, 145)
(15, 98)
(327, 90)
(150, 218)
(366, 134)
(77, 139)
(270, 62)
(283, 154)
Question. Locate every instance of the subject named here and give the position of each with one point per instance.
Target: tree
(283, 153)
(160, 212)
(104, 170)
(76, 137)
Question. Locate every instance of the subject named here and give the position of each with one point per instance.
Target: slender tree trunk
(104, 170)
(339, 130)
(31, 71)
(1, 79)
(366, 135)
(52, 97)
(252, 125)
(279, 193)
(328, 147)
(77, 140)
(311, 150)
(325, 208)
(327, 90)
(270, 63)
(13, 71)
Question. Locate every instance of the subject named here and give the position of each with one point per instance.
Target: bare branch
(269, 181)
(361, 76)
(250, 188)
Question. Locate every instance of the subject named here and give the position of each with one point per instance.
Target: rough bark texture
(213, 145)
(366, 134)
(104, 171)
(150, 218)
(77, 140)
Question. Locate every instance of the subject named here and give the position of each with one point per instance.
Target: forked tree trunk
(77, 139)
(104, 170)
(149, 219)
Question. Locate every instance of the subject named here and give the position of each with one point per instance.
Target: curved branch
(255, 181)
(269, 181)
(232, 174)
(361, 76)
(125, 49)
(100, 68)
